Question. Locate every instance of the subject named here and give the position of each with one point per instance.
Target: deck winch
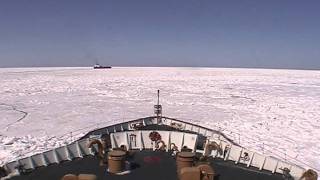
(187, 171)
(79, 177)
(200, 172)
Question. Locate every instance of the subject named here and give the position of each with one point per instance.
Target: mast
(158, 96)
(158, 108)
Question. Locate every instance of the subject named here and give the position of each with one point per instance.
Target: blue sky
(210, 33)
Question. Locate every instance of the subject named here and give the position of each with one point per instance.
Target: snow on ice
(276, 112)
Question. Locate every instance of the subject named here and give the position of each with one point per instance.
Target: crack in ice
(14, 109)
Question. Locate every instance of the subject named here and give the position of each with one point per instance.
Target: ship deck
(146, 164)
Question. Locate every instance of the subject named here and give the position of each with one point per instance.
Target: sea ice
(276, 112)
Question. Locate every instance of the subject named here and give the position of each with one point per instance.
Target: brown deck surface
(145, 165)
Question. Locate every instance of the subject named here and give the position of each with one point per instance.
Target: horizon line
(200, 67)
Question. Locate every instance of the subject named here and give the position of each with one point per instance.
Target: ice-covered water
(262, 109)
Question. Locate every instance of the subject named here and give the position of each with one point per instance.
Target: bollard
(116, 161)
(184, 159)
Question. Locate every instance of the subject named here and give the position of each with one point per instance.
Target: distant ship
(98, 66)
